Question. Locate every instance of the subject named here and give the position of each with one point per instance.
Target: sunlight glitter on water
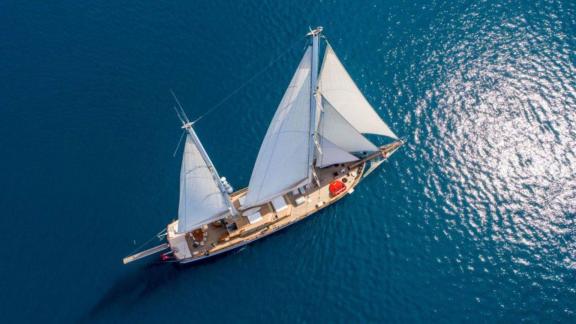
(504, 138)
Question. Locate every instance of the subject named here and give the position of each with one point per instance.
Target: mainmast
(187, 125)
(315, 34)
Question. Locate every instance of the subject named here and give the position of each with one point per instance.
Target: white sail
(340, 132)
(201, 201)
(339, 89)
(332, 154)
(282, 163)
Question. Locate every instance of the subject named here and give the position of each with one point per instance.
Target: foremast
(188, 127)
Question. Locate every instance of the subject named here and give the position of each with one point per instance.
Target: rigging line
(178, 114)
(178, 145)
(231, 94)
(158, 235)
(181, 113)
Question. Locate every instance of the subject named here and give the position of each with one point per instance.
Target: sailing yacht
(315, 152)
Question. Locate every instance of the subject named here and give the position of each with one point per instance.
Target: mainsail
(201, 200)
(336, 85)
(283, 160)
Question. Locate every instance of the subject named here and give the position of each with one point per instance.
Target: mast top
(187, 125)
(315, 32)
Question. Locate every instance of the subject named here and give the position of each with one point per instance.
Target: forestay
(339, 89)
(201, 201)
(282, 163)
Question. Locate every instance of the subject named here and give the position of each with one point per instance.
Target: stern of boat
(177, 241)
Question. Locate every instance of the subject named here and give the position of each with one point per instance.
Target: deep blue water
(472, 220)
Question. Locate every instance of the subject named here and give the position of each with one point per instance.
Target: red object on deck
(165, 257)
(336, 187)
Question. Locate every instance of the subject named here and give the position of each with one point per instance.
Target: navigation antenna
(180, 112)
(183, 118)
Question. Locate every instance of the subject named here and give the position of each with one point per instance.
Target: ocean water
(472, 221)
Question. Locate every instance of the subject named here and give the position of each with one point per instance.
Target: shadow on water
(130, 289)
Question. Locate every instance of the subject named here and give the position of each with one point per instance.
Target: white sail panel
(201, 201)
(332, 154)
(339, 89)
(339, 131)
(282, 163)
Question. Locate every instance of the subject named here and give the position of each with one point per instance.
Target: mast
(187, 125)
(315, 34)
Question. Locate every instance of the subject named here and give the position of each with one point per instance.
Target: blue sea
(473, 220)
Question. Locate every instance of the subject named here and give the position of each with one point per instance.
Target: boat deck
(237, 231)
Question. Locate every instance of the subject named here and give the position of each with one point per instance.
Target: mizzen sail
(283, 160)
(336, 85)
(201, 200)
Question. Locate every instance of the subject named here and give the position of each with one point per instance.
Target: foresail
(282, 163)
(339, 89)
(201, 201)
(334, 127)
(332, 154)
